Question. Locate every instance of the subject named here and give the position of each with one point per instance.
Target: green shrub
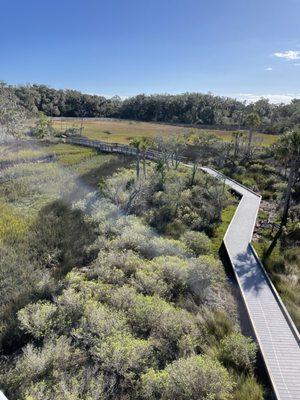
(248, 389)
(175, 228)
(124, 356)
(238, 352)
(36, 364)
(97, 322)
(193, 378)
(165, 276)
(198, 242)
(292, 255)
(38, 318)
(87, 383)
(206, 282)
(150, 316)
(267, 194)
(218, 325)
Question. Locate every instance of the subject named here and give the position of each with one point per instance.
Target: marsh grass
(123, 131)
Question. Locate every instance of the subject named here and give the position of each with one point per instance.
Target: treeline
(188, 108)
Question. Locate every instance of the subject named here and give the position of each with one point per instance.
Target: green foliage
(98, 305)
(198, 242)
(87, 385)
(59, 237)
(253, 120)
(283, 267)
(170, 205)
(165, 276)
(248, 389)
(218, 325)
(12, 115)
(13, 225)
(124, 355)
(42, 127)
(38, 318)
(21, 280)
(36, 368)
(197, 377)
(221, 229)
(238, 352)
(190, 108)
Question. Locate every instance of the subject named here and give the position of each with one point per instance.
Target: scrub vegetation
(115, 295)
(112, 287)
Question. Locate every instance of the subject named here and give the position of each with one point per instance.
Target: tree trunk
(236, 147)
(137, 163)
(250, 137)
(144, 163)
(273, 243)
(194, 170)
(285, 209)
(288, 193)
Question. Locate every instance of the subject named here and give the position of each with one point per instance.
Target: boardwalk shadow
(252, 277)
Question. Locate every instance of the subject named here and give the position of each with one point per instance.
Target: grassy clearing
(13, 224)
(122, 131)
(89, 165)
(27, 187)
(19, 153)
(69, 155)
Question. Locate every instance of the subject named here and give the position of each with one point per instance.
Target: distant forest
(187, 108)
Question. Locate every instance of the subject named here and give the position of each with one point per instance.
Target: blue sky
(240, 48)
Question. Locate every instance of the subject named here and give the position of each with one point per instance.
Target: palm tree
(237, 136)
(253, 121)
(287, 150)
(136, 142)
(161, 168)
(144, 146)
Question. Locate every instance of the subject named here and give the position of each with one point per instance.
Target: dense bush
(238, 352)
(170, 205)
(197, 377)
(198, 242)
(248, 389)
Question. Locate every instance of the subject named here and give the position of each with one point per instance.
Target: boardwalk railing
(112, 147)
(278, 298)
(276, 334)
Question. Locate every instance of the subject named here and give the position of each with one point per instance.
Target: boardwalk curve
(275, 332)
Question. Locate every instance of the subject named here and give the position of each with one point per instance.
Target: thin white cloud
(274, 98)
(297, 64)
(288, 55)
(269, 69)
(107, 96)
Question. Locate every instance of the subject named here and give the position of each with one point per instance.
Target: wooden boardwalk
(276, 334)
